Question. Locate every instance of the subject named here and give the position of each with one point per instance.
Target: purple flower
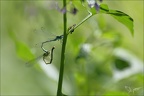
(96, 7)
(74, 11)
(63, 10)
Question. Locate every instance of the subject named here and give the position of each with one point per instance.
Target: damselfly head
(48, 56)
(46, 53)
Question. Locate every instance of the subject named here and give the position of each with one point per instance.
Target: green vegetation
(100, 51)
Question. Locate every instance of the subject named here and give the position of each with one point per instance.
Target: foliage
(89, 47)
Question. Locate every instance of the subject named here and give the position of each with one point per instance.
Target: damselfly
(47, 57)
(57, 38)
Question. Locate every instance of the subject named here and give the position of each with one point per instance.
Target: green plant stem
(83, 20)
(59, 90)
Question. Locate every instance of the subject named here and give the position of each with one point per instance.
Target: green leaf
(23, 51)
(118, 15)
(116, 93)
(93, 10)
(123, 18)
(104, 8)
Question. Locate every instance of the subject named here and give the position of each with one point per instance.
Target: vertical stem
(59, 90)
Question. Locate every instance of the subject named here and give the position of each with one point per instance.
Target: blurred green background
(102, 57)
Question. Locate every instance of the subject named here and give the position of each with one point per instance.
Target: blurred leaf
(118, 15)
(116, 93)
(93, 10)
(113, 36)
(22, 50)
(121, 64)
